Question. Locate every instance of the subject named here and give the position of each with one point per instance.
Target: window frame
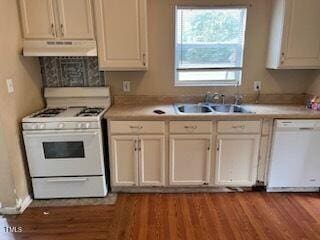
(213, 83)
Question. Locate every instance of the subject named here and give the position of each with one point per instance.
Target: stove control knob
(42, 126)
(87, 125)
(60, 125)
(34, 126)
(79, 125)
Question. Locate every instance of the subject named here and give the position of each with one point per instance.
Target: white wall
(159, 80)
(27, 98)
(7, 196)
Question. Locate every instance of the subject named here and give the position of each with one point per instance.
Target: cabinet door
(37, 19)
(301, 42)
(190, 157)
(237, 160)
(75, 19)
(151, 160)
(124, 160)
(122, 34)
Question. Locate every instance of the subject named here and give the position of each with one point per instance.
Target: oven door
(64, 152)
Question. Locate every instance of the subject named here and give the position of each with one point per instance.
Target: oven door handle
(67, 180)
(31, 134)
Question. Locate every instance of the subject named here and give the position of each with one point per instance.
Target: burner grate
(50, 112)
(89, 112)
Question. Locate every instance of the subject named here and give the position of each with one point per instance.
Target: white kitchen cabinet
(190, 159)
(125, 156)
(294, 35)
(138, 160)
(151, 160)
(38, 19)
(121, 28)
(75, 19)
(57, 19)
(237, 159)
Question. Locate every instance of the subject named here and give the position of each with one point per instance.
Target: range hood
(54, 48)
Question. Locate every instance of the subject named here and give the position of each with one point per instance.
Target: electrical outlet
(126, 86)
(10, 85)
(257, 86)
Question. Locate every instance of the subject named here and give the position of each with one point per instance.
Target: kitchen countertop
(265, 111)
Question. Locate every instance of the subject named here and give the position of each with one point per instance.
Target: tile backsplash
(71, 72)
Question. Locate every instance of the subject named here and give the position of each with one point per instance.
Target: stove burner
(89, 112)
(50, 112)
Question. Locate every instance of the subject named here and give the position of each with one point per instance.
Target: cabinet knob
(239, 127)
(190, 127)
(62, 30)
(135, 145)
(136, 127)
(53, 31)
(144, 59)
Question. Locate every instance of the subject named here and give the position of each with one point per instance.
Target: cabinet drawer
(239, 127)
(130, 127)
(69, 187)
(190, 127)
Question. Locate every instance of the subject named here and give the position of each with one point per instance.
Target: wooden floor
(177, 216)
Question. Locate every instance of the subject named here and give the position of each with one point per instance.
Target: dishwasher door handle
(306, 129)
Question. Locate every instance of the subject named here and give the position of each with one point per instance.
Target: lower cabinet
(138, 160)
(125, 160)
(139, 156)
(237, 160)
(151, 160)
(190, 158)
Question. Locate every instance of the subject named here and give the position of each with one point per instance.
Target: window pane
(209, 77)
(210, 38)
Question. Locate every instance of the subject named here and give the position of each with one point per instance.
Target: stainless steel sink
(229, 108)
(203, 108)
(192, 109)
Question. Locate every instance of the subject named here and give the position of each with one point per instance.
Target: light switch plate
(10, 85)
(126, 86)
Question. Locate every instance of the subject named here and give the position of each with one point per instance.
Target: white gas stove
(66, 144)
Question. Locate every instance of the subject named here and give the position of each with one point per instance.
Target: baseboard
(292, 189)
(20, 207)
(191, 189)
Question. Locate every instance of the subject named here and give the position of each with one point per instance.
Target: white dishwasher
(295, 156)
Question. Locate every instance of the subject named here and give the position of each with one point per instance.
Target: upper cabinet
(121, 34)
(38, 19)
(75, 19)
(295, 35)
(62, 19)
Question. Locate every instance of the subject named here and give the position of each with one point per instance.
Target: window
(209, 46)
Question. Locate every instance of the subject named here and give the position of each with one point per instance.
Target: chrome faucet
(237, 97)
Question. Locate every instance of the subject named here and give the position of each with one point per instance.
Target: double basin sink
(210, 108)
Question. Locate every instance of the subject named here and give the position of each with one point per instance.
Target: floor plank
(254, 215)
